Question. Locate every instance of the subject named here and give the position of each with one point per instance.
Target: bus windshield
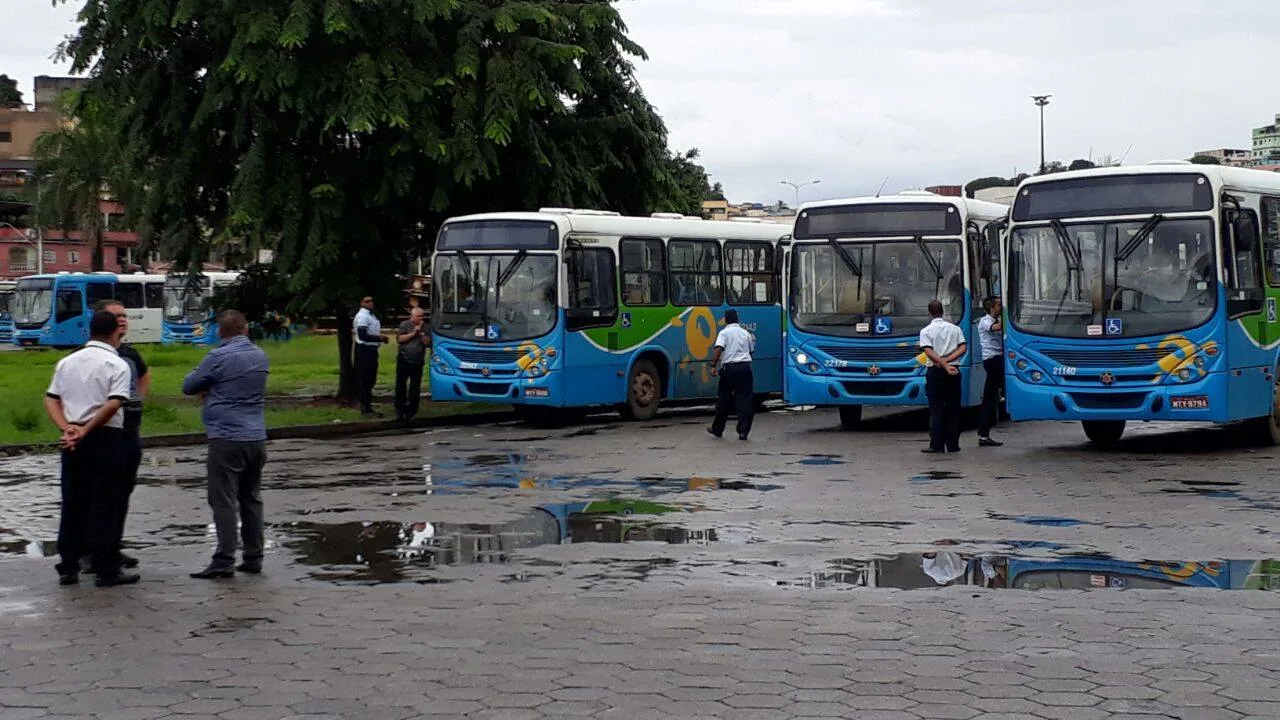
(182, 304)
(33, 301)
(5, 297)
(1155, 276)
(897, 281)
(494, 297)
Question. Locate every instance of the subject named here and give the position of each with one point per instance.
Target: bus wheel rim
(642, 389)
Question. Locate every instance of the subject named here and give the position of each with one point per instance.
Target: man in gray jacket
(232, 378)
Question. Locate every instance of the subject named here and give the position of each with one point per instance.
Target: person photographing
(413, 338)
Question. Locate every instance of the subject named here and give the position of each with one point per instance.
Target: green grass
(305, 366)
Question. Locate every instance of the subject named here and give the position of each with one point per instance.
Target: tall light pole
(1041, 101)
(797, 187)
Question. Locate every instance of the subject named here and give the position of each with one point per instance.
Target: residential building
(1228, 156)
(715, 209)
(947, 190)
(49, 89)
(1266, 144)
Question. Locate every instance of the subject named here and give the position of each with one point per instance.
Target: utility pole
(1041, 101)
(797, 187)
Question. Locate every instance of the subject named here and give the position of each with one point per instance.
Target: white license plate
(1189, 402)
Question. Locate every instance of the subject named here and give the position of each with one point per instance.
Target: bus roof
(1221, 175)
(139, 278)
(229, 275)
(980, 209)
(598, 223)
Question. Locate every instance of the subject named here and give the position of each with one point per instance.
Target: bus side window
(130, 295)
(593, 290)
(1271, 239)
(99, 291)
(644, 271)
(1244, 267)
(155, 295)
(749, 273)
(70, 305)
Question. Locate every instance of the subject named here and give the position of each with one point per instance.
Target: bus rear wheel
(644, 391)
(851, 417)
(1103, 433)
(1267, 428)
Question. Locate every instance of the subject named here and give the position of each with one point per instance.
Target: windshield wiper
(846, 257)
(511, 269)
(933, 264)
(1138, 238)
(1071, 252)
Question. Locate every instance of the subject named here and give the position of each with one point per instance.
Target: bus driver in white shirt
(942, 343)
(732, 361)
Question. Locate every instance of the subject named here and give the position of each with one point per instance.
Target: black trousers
(235, 493)
(991, 395)
(737, 391)
(408, 386)
(93, 480)
(366, 374)
(943, 390)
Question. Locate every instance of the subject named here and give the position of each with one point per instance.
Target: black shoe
(250, 567)
(953, 450)
(214, 573)
(86, 566)
(117, 579)
(988, 442)
(713, 433)
(742, 436)
(932, 451)
(128, 561)
(68, 578)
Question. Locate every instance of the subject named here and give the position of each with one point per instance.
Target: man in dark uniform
(139, 385)
(89, 388)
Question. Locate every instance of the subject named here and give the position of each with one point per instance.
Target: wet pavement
(648, 570)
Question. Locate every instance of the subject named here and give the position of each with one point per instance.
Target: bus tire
(851, 417)
(1267, 429)
(1103, 433)
(644, 392)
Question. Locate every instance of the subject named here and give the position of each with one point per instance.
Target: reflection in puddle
(822, 460)
(1040, 520)
(933, 475)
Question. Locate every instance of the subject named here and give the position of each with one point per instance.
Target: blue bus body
(1086, 573)
(594, 334)
(188, 311)
(54, 310)
(1173, 322)
(6, 317)
(853, 337)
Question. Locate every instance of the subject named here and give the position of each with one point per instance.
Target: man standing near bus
(139, 386)
(943, 343)
(84, 399)
(732, 361)
(368, 339)
(992, 343)
(413, 339)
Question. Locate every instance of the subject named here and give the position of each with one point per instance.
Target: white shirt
(87, 379)
(738, 344)
(365, 319)
(944, 337)
(991, 342)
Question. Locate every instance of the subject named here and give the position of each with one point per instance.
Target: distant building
(50, 88)
(1002, 195)
(1266, 144)
(946, 190)
(715, 209)
(1228, 156)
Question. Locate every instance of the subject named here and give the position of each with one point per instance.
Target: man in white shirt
(89, 388)
(732, 362)
(942, 343)
(368, 337)
(992, 343)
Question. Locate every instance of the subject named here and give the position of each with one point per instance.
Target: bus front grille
(486, 388)
(874, 388)
(1108, 358)
(870, 354)
(1109, 401)
(486, 356)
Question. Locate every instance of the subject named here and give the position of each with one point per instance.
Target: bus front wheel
(1267, 428)
(1103, 432)
(644, 391)
(851, 417)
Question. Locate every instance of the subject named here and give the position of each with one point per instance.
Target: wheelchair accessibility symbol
(626, 319)
(1115, 326)
(1271, 309)
(884, 325)
(492, 332)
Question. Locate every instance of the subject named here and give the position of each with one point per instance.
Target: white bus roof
(230, 275)
(979, 209)
(597, 223)
(139, 278)
(1221, 175)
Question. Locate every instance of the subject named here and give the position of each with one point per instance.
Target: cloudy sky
(917, 91)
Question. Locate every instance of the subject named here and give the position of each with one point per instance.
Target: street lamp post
(797, 187)
(39, 243)
(1041, 101)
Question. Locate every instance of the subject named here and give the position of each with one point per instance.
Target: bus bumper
(453, 386)
(1203, 400)
(805, 389)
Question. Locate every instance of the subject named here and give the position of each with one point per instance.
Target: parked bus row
(53, 310)
(1131, 294)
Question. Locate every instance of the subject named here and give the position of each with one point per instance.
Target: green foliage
(10, 95)
(341, 133)
(1205, 160)
(25, 419)
(973, 186)
(1081, 165)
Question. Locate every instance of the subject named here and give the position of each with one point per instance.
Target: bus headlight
(1184, 374)
(802, 359)
(440, 365)
(534, 370)
(1023, 365)
(1201, 362)
(1036, 376)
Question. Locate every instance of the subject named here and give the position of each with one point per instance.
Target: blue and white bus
(188, 307)
(1145, 293)
(53, 310)
(861, 274)
(6, 317)
(585, 309)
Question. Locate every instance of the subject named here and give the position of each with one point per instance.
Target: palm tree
(75, 165)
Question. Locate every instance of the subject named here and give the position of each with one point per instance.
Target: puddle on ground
(822, 460)
(934, 475)
(1040, 520)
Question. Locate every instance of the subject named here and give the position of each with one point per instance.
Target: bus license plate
(537, 392)
(1189, 402)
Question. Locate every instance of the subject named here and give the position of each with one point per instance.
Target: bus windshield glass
(897, 282)
(1156, 276)
(184, 304)
(33, 301)
(493, 297)
(5, 297)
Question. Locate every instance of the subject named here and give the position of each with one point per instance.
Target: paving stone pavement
(658, 630)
